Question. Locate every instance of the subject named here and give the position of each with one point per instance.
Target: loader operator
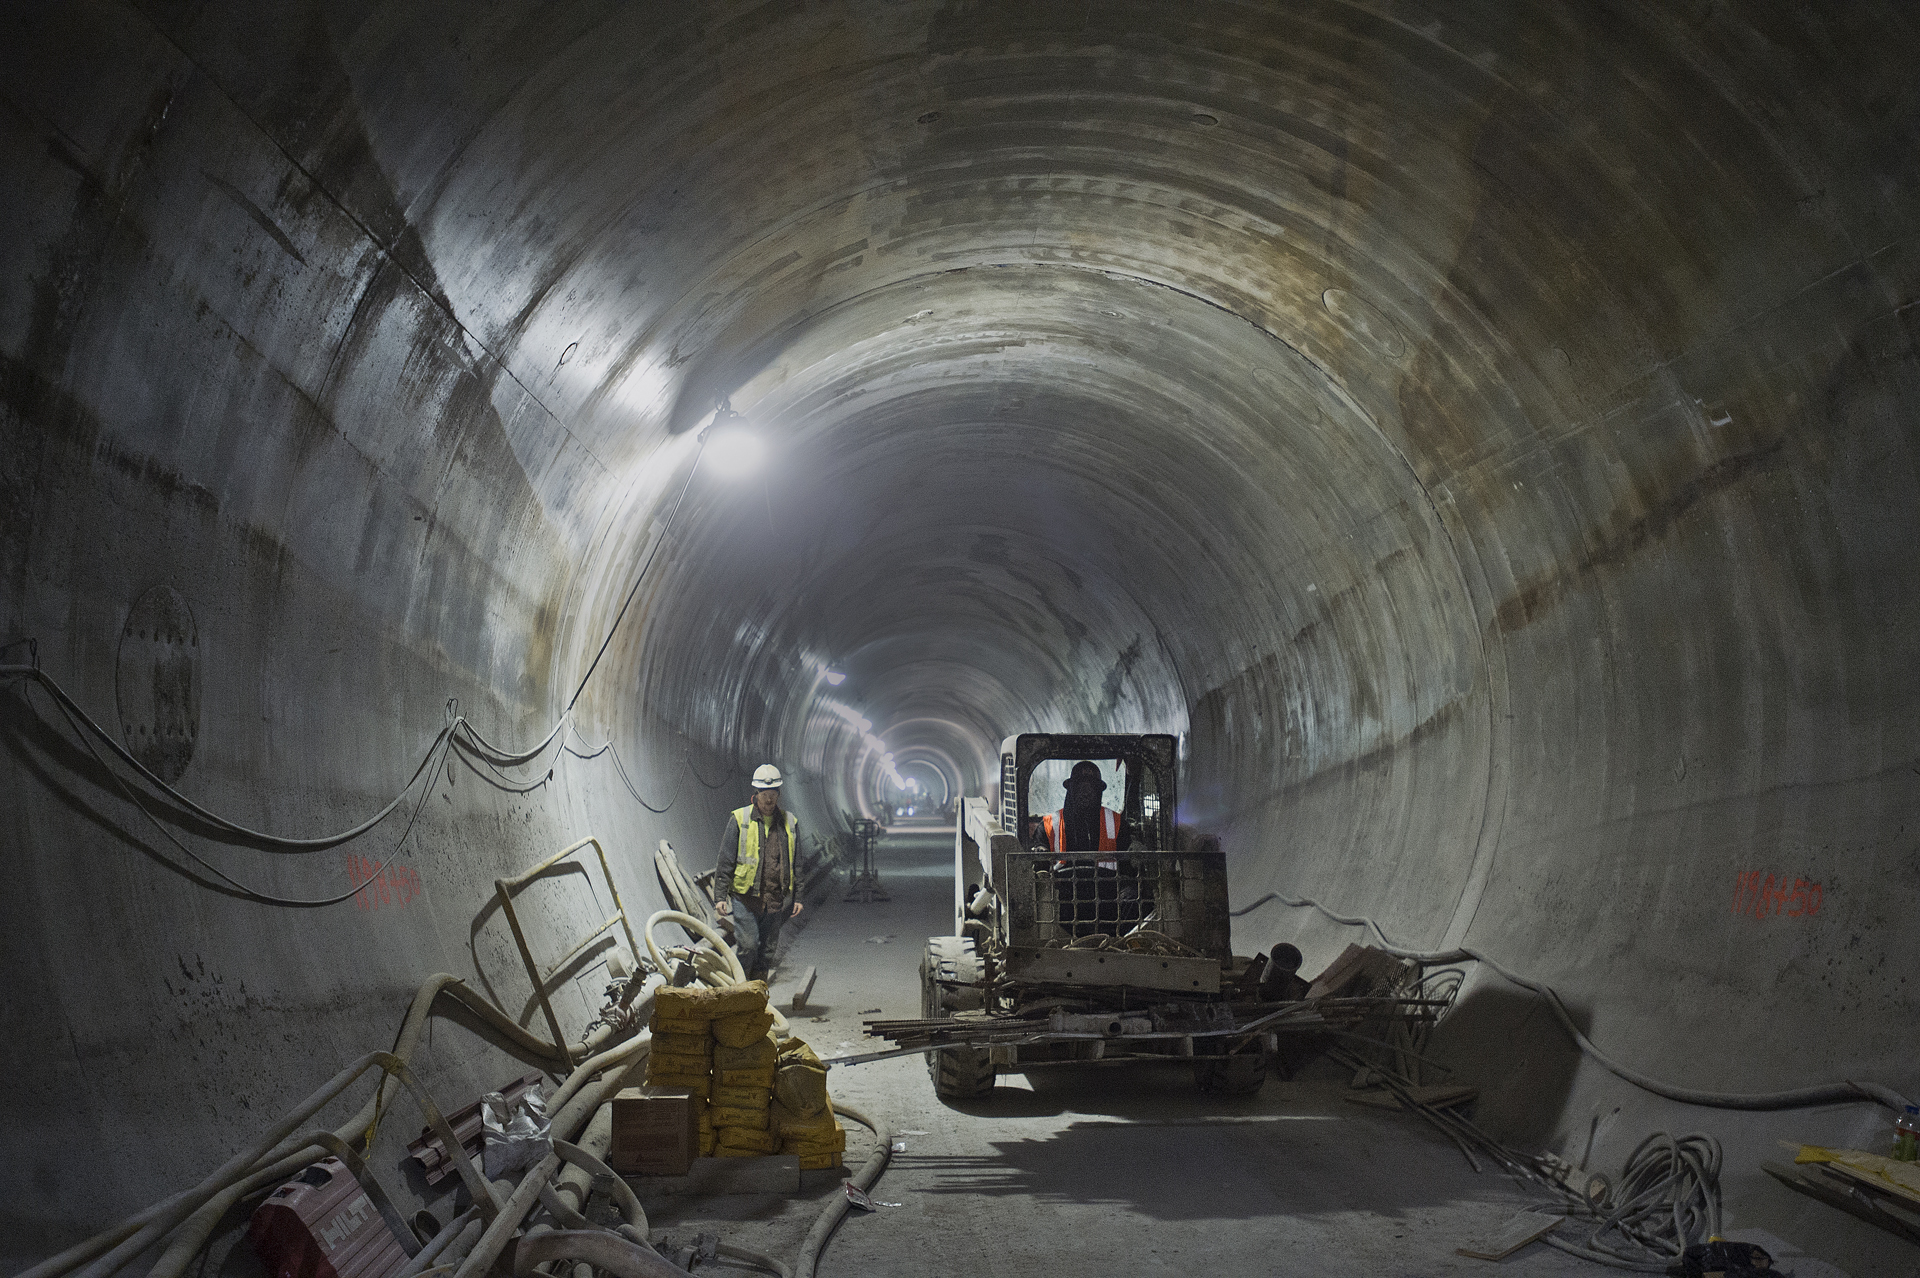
(1082, 824)
(1093, 898)
(754, 885)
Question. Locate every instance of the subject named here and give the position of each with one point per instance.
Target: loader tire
(958, 1073)
(1240, 1074)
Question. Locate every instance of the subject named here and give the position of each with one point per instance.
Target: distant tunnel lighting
(736, 450)
(836, 677)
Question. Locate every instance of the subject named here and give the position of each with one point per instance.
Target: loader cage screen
(1180, 895)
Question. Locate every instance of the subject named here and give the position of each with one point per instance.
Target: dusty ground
(1109, 1172)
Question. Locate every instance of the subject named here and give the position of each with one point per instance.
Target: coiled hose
(190, 1216)
(1669, 1197)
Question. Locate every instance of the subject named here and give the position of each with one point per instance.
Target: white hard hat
(766, 777)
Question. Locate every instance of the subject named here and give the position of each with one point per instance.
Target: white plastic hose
(734, 973)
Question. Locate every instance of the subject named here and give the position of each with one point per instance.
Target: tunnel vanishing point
(1487, 433)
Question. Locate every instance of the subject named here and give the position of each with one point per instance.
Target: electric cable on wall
(458, 734)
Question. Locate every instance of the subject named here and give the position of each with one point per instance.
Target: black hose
(864, 1179)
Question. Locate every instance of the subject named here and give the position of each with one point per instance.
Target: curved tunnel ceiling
(1054, 368)
(1484, 430)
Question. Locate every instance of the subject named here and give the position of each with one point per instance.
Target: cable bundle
(1668, 1198)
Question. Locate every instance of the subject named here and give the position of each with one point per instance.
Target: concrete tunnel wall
(1486, 430)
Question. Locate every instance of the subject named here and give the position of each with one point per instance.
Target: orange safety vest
(1056, 828)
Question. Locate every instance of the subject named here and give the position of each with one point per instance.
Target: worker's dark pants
(756, 934)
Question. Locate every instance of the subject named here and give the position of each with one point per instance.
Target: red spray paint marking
(382, 885)
(1761, 898)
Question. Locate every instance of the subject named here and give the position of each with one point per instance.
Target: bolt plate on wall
(158, 682)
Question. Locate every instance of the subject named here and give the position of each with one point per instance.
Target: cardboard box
(656, 1131)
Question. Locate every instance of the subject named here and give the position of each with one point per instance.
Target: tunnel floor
(1115, 1171)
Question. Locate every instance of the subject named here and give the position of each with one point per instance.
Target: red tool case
(321, 1224)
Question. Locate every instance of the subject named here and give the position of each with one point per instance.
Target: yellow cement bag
(708, 1143)
(674, 1019)
(668, 1043)
(742, 1097)
(704, 1003)
(685, 1027)
(731, 1000)
(800, 1081)
(820, 1162)
(800, 1126)
(684, 1066)
(698, 1084)
(742, 1142)
(742, 1030)
(682, 1004)
(832, 1143)
(755, 1119)
(760, 1078)
(756, 1053)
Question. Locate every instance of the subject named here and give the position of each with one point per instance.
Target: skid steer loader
(1064, 959)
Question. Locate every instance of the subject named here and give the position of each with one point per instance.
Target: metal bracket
(506, 887)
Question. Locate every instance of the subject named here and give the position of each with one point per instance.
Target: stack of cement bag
(686, 1024)
(801, 1114)
(761, 1096)
(743, 1057)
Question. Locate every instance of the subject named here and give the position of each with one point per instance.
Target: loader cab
(1137, 768)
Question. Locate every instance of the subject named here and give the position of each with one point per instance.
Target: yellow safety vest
(746, 871)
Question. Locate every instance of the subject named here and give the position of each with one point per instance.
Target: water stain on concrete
(1535, 598)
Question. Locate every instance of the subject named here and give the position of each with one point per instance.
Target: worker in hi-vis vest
(753, 879)
(1090, 897)
(1082, 824)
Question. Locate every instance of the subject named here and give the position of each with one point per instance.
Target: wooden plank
(1831, 1191)
(1357, 965)
(1527, 1227)
(680, 890)
(803, 987)
(1867, 1180)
